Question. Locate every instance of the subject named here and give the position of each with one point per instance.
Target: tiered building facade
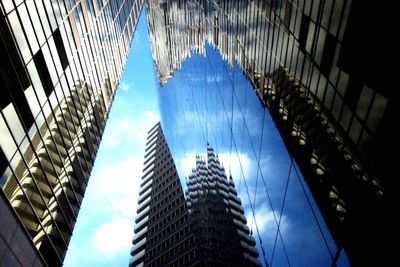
(217, 215)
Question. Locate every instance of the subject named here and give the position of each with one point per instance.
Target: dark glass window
(60, 48)
(305, 23)
(5, 98)
(3, 162)
(353, 92)
(11, 91)
(288, 12)
(12, 73)
(22, 106)
(328, 54)
(43, 72)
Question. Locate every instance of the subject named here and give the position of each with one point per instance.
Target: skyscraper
(311, 65)
(60, 66)
(207, 228)
(162, 231)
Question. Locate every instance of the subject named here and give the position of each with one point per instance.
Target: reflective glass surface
(208, 101)
(61, 63)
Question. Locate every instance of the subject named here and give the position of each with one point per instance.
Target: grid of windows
(61, 64)
(164, 231)
(330, 109)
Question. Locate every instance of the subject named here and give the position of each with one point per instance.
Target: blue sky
(103, 233)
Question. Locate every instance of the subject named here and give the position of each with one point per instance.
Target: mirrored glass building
(60, 65)
(208, 102)
(313, 67)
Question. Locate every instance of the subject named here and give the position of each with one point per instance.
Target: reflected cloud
(264, 217)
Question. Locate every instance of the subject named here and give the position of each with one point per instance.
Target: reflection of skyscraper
(60, 65)
(217, 216)
(209, 229)
(312, 67)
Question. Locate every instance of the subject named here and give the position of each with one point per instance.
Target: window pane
(14, 123)
(19, 35)
(43, 72)
(363, 102)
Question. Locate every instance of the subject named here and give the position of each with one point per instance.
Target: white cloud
(120, 182)
(113, 237)
(114, 190)
(124, 86)
(126, 130)
(264, 217)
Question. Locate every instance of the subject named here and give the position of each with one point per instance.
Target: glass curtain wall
(210, 101)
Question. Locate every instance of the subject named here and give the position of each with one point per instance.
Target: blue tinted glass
(209, 101)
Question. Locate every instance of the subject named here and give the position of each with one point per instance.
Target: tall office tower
(163, 234)
(313, 65)
(61, 62)
(218, 222)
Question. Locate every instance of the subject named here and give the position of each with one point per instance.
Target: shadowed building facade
(61, 62)
(310, 64)
(207, 228)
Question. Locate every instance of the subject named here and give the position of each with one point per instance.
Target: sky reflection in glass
(209, 101)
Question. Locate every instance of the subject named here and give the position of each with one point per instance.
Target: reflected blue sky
(208, 100)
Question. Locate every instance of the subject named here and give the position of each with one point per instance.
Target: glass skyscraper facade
(313, 66)
(61, 62)
(208, 101)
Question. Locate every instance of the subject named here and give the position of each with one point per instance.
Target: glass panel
(55, 57)
(364, 102)
(355, 129)
(49, 63)
(43, 70)
(8, 5)
(32, 100)
(35, 21)
(23, 14)
(14, 123)
(37, 84)
(19, 35)
(377, 111)
(6, 141)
